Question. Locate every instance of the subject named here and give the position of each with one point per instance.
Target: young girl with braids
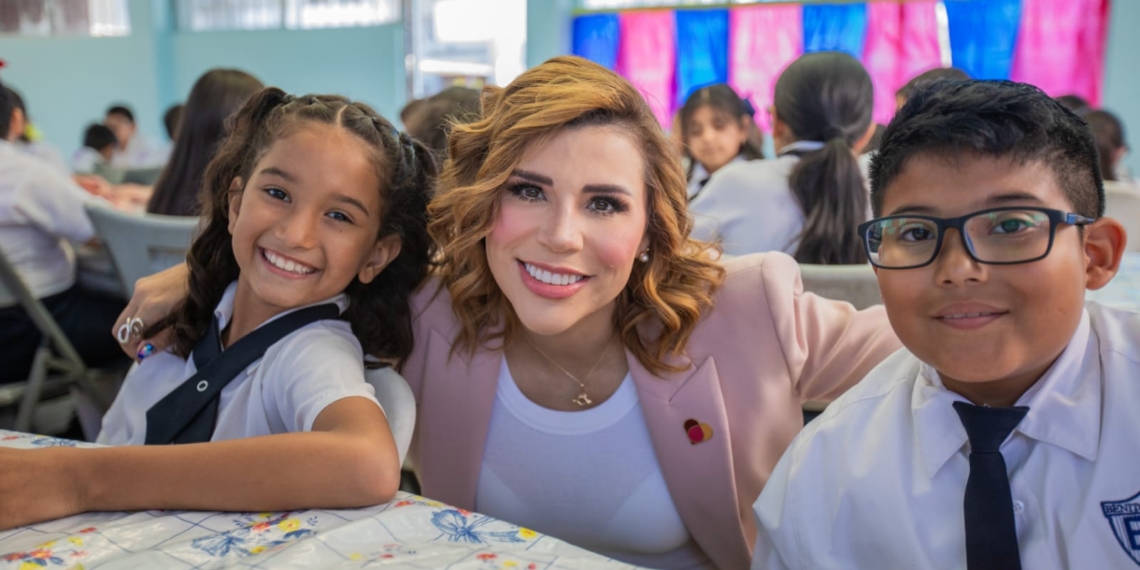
(314, 237)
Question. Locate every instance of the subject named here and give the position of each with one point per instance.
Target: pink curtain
(1061, 47)
(919, 49)
(646, 58)
(762, 41)
(902, 41)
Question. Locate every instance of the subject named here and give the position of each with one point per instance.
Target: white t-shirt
(878, 480)
(40, 209)
(590, 478)
(283, 392)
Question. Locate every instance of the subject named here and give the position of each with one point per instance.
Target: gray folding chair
(855, 284)
(141, 245)
(144, 176)
(1122, 201)
(56, 366)
(399, 405)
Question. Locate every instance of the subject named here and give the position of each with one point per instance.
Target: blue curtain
(596, 38)
(835, 27)
(702, 50)
(983, 34)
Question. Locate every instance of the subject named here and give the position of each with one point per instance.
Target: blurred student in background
(22, 133)
(809, 200)
(135, 149)
(41, 209)
(217, 95)
(430, 120)
(98, 148)
(924, 79)
(716, 130)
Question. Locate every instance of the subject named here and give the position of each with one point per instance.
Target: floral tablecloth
(1124, 289)
(409, 532)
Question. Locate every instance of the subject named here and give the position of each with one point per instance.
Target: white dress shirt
(878, 480)
(283, 392)
(40, 209)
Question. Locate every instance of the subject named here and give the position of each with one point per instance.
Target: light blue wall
(364, 64)
(548, 30)
(69, 82)
(1122, 72)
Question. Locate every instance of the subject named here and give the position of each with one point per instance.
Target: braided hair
(378, 311)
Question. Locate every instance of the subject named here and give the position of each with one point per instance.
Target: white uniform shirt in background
(750, 207)
(40, 209)
(590, 478)
(283, 392)
(879, 479)
(699, 177)
(141, 152)
(45, 152)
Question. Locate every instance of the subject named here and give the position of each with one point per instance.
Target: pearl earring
(644, 257)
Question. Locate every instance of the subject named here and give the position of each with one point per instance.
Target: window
(65, 17)
(464, 42)
(209, 15)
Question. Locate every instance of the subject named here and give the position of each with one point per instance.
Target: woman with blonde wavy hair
(582, 366)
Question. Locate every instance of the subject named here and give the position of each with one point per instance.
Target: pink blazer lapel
(699, 475)
(453, 449)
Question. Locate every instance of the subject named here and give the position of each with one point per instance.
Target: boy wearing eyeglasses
(1006, 434)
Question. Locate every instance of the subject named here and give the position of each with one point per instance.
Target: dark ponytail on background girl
(827, 97)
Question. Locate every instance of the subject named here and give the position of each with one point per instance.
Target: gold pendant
(583, 400)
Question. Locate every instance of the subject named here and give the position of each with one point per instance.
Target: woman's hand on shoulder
(35, 486)
(155, 297)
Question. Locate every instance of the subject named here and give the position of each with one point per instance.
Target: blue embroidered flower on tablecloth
(455, 526)
(45, 441)
(222, 544)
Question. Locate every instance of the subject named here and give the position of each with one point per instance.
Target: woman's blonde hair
(669, 292)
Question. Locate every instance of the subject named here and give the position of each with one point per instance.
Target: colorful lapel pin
(697, 431)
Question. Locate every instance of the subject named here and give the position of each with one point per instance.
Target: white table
(409, 532)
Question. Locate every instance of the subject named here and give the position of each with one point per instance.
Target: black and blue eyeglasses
(998, 236)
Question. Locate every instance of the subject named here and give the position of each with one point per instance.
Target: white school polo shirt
(750, 207)
(879, 479)
(40, 208)
(283, 392)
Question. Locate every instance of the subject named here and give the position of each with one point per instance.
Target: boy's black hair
(6, 107)
(992, 119)
(122, 111)
(923, 79)
(99, 137)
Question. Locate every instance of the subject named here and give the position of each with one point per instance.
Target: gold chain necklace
(582, 399)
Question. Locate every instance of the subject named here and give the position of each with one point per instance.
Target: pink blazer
(764, 349)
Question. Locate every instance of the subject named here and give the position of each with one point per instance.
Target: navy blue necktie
(189, 413)
(991, 533)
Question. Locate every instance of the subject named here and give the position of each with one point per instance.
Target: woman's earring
(644, 257)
